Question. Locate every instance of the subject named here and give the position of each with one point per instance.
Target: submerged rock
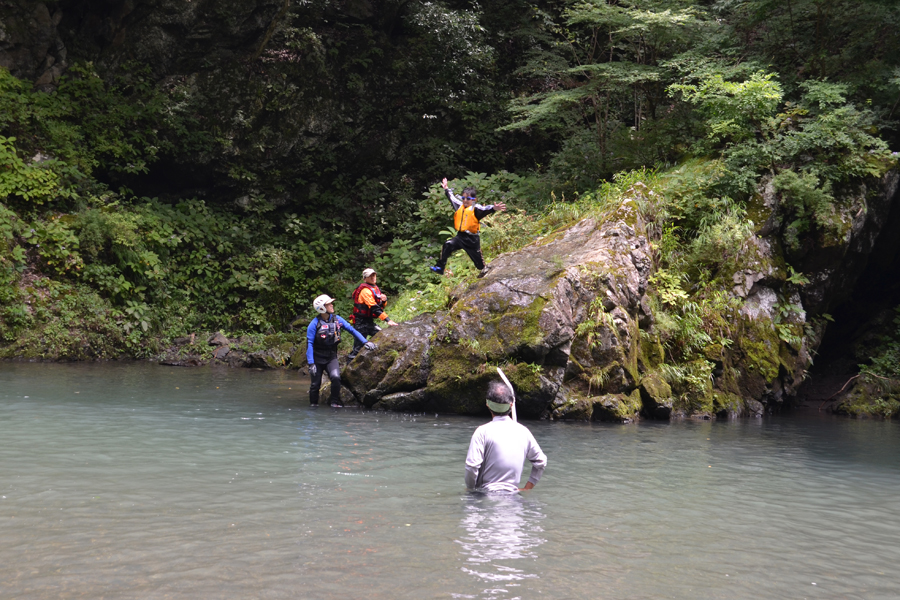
(187, 361)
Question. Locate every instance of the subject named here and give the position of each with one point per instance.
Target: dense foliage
(137, 206)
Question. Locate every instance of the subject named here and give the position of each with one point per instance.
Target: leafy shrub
(884, 361)
(734, 111)
(56, 244)
(31, 182)
(60, 320)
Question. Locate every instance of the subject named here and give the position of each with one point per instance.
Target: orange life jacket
(464, 220)
(362, 310)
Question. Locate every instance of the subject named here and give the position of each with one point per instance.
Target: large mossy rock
(569, 319)
(561, 315)
(870, 397)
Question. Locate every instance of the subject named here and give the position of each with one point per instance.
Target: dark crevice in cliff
(860, 320)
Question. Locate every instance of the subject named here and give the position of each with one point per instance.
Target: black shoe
(438, 270)
(314, 404)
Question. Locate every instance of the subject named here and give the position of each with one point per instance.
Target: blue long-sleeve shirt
(311, 335)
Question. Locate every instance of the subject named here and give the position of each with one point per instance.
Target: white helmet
(320, 302)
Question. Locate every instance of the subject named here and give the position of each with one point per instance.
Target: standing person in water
(322, 338)
(498, 449)
(368, 305)
(466, 221)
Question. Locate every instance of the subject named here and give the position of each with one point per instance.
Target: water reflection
(500, 531)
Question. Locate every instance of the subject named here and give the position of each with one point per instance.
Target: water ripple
(221, 483)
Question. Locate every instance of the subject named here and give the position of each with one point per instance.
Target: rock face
(562, 317)
(30, 46)
(569, 320)
(172, 36)
(206, 53)
(833, 264)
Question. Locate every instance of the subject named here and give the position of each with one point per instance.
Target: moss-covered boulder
(870, 397)
(618, 408)
(561, 315)
(615, 408)
(400, 364)
(656, 396)
(568, 316)
(779, 323)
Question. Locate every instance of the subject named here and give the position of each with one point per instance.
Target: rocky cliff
(570, 320)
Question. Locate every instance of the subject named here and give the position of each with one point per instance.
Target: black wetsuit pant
(368, 328)
(334, 374)
(470, 242)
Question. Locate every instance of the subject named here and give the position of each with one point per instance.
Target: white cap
(368, 273)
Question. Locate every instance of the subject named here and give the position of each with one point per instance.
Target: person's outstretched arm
(483, 211)
(455, 201)
(362, 339)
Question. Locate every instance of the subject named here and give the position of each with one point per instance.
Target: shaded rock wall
(172, 36)
(30, 44)
(852, 275)
(834, 264)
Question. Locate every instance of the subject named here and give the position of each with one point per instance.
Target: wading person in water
(498, 449)
(322, 338)
(368, 305)
(466, 220)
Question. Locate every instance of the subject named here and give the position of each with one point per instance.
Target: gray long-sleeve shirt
(497, 456)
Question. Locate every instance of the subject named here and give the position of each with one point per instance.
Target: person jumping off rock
(466, 221)
(368, 305)
(322, 338)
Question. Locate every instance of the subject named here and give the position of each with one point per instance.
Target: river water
(141, 481)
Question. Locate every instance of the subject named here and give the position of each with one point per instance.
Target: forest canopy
(148, 195)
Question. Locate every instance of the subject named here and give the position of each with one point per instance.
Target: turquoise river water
(142, 481)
